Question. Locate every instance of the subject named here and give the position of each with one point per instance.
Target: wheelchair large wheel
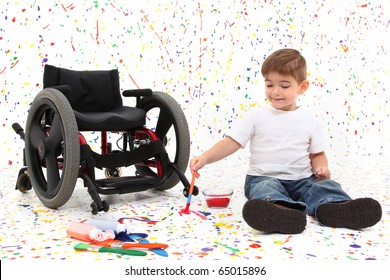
(52, 148)
(166, 118)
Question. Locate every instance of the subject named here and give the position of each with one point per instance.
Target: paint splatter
(214, 74)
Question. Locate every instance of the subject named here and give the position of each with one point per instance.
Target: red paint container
(217, 198)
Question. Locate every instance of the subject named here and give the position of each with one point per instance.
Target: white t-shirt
(280, 141)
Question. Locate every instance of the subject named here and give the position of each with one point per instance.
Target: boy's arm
(319, 165)
(220, 150)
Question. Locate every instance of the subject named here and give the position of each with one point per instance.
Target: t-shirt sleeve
(319, 142)
(243, 129)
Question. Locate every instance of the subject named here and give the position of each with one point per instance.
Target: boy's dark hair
(285, 62)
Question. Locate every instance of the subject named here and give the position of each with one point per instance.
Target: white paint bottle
(110, 225)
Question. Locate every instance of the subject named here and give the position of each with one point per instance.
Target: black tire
(106, 207)
(166, 118)
(52, 148)
(23, 183)
(94, 208)
(195, 191)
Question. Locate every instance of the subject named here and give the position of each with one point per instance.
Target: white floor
(29, 230)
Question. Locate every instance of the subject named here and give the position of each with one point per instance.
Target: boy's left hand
(322, 173)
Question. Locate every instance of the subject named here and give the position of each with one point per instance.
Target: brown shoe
(353, 214)
(268, 217)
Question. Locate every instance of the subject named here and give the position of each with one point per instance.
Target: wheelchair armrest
(137, 92)
(65, 89)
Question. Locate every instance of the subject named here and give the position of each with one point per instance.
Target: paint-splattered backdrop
(207, 55)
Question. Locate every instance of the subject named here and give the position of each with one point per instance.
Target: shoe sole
(354, 214)
(267, 217)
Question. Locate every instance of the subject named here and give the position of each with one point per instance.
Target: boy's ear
(304, 86)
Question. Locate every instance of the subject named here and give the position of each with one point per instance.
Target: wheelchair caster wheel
(23, 184)
(95, 209)
(113, 172)
(105, 206)
(195, 191)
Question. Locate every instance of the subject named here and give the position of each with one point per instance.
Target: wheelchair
(56, 153)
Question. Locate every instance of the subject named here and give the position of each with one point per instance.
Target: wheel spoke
(55, 137)
(37, 135)
(53, 176)
(163, 125)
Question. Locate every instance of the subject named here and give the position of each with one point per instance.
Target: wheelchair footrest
(127, 184)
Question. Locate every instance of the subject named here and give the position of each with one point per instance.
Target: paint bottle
(111, 225)
(108, 234)
(84, 232)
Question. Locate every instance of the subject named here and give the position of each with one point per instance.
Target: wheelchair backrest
(91, 91)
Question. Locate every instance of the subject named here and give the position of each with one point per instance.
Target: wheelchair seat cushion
(118, 119)
(95, 98)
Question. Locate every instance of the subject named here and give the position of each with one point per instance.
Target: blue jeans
(303, 194)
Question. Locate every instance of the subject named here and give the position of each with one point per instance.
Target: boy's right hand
(196, 164)
(222, 149)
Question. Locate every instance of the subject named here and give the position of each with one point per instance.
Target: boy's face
(283, 91)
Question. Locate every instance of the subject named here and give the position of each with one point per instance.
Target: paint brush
(139, 239)
(158, 251)
(112, 243)
(187, 208)
(103, 249)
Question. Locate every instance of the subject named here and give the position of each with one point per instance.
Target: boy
(288, 172)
